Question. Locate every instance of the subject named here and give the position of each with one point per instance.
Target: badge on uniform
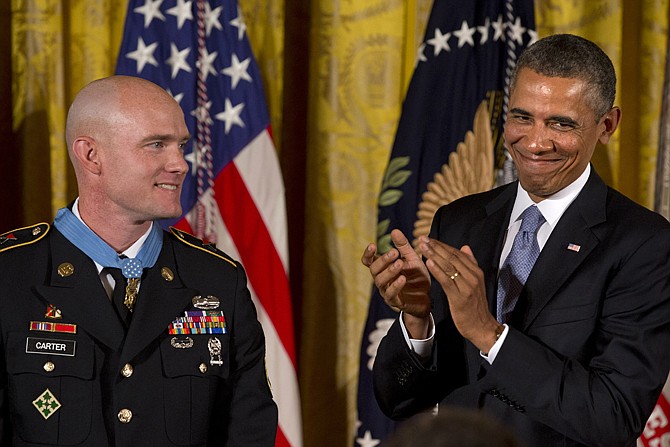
(53, 312)
(208, 302)
(47, 404)
(45, 326)
(199, 322)
(181, 343)
(51, 346)
(214, 346)
(7, 237)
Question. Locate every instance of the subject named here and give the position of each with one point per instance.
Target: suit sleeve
(405, 385)
(605, 400)
(252, 417)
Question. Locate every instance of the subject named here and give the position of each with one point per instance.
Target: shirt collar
(131, 251)
(553, 207)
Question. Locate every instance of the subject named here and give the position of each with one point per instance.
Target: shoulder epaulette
(194, 242)
(23, 236)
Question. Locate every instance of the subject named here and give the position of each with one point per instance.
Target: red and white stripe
(248, 205)
(657, 431)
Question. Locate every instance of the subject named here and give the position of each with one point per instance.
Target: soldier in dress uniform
(114, 332)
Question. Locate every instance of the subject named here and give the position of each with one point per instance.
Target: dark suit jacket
(176, 395)
(588, 349)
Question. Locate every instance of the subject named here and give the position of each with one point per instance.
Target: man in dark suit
(114, 332)
(578, 355)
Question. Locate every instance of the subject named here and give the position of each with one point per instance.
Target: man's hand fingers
(440, 275)
(468, 251)
(392, 293)
(403, 245)
(369, 255)
(439, 252)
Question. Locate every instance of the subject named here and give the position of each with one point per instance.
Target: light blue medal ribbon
(95, 248)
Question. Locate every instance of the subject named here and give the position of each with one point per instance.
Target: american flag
(233, 195)
(657, 430)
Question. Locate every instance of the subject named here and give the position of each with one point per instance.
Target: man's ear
(611, 122)
(86, 154)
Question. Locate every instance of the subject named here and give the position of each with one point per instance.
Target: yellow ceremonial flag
(266, 31)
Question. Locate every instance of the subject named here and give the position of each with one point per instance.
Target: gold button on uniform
(202, 368)
(125, 416)
(127, 370)
(49, 366)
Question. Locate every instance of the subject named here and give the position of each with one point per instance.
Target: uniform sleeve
(252, 418)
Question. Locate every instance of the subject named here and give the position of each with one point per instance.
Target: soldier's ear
(85, 153)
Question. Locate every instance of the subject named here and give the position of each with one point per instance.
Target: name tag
(51, 346)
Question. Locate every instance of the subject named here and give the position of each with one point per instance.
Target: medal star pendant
(131, 293)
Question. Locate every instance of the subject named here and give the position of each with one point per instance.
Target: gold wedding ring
(454, 276)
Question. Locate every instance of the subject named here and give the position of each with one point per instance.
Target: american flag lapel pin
(574, 247)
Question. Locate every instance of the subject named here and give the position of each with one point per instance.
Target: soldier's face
(143, 167)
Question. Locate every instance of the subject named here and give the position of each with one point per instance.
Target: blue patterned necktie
(519, 262)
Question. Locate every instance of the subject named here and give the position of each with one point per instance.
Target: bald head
(104, 104)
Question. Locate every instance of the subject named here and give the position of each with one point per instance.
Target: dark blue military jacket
(72, 374)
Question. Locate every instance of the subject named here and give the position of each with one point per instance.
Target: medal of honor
(131, 293)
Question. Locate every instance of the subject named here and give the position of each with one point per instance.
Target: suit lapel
(557, 262)
(80, 296)
(160, 300)
(487, 246)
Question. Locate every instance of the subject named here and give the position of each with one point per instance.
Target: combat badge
(205, 302)
(47, 404)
